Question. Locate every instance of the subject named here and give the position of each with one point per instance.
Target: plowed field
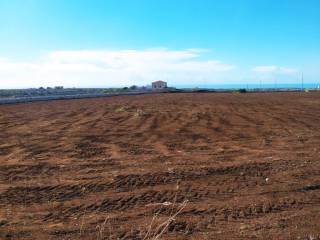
(222, 165)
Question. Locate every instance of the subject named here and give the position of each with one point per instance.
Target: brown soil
(248, 164)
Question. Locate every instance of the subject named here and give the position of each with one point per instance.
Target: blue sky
(123, 42)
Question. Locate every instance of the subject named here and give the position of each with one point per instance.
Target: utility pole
(302, 82)
(260, 85)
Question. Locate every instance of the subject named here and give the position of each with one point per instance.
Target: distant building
(158, 85)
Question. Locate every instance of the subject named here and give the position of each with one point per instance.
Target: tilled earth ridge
(247, 166)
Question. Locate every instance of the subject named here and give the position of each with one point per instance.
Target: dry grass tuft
(160, 229)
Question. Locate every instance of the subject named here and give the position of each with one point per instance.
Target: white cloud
(110, 68)
(274, 70)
